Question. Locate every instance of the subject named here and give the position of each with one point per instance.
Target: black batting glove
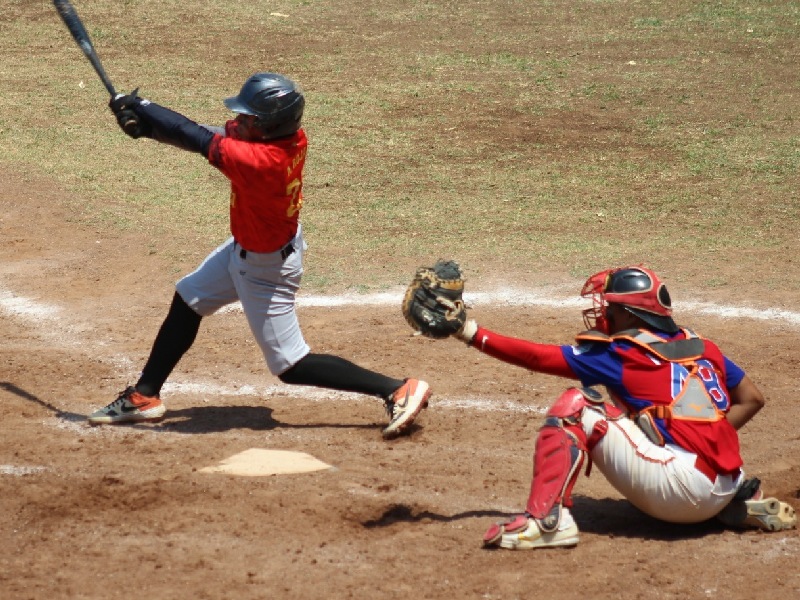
(122, 101)
(132, 124)
(123, 106)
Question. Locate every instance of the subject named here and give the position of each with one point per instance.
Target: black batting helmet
(275, 100)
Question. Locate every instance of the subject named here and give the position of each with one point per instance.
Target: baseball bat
(81, 37)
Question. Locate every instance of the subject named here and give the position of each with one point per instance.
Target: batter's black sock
(336, 373)
(176, 336)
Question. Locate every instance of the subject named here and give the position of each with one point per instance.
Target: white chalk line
(545, 298)
(20, 306)
(324, 395)
(41, 315)
(20, 470)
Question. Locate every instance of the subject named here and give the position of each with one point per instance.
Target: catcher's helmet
(276, 101)
(636, 289)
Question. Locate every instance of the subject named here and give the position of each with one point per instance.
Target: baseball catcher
(666, 436)
(433, 303)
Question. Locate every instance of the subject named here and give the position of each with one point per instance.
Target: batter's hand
(123, 106)
(123, 101)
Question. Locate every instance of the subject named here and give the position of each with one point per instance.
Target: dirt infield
(124, 512)
(535, 142)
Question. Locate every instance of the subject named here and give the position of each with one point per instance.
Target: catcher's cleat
(404, 406)
(130, 407)
(523, 533)
(768, 514)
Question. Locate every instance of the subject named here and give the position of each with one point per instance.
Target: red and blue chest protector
(685, 398)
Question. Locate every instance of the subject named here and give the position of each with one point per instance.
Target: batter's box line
(322, 395)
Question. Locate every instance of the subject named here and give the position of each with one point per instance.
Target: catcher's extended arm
(433, 302)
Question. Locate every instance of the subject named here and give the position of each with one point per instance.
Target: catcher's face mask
(637, 289)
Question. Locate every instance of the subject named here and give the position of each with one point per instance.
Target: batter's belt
(286, 251)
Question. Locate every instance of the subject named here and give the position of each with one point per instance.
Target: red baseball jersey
(266, 186)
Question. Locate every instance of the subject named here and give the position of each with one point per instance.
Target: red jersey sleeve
(542, 358)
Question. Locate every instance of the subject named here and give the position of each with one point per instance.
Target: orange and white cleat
(404, 406)
(130, 407)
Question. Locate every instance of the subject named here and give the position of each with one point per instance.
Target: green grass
(511, 135)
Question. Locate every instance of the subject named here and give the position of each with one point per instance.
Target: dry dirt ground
(123, 512)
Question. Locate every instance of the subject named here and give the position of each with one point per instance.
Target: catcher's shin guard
(561, 449)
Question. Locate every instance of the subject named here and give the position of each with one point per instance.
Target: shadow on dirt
(400, 513)
(61, 414)
(607, 516)
(615, 517)
(197, 419)
(215, 419)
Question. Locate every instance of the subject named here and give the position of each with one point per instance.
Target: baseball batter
(667, 437)
(262, 152)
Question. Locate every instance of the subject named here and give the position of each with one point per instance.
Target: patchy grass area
(514, 136)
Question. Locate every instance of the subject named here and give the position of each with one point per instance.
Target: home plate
(258, 462)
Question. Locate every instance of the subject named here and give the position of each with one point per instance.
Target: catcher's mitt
(433, 303)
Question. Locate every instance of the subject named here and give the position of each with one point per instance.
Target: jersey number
(293, 190)
(708, 376)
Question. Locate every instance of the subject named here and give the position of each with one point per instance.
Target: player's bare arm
(746, 401)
